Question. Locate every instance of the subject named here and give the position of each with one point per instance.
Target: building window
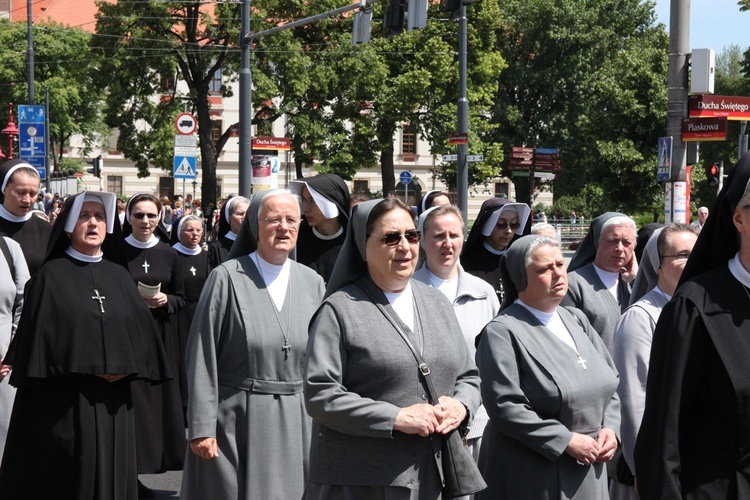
(409, 140)
(502, 190)
(361, 186)
(216, 129)
(114, 184)
(215, 84)
(167, 82)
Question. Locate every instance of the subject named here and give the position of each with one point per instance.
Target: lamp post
(10, 130)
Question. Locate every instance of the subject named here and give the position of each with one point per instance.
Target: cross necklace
(100, 298)
(287, 347)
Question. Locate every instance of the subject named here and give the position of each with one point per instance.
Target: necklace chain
(287, 347)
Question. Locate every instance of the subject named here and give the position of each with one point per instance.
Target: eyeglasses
(681, 257)
(503, 225)
(276, 222)
(310, 202)
(141, 215)
(192, 231)
(392, 239)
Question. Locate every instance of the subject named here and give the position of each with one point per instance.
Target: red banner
(719, 106)
(277, 143)
(704, 129)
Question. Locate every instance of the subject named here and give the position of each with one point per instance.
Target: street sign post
(185, 124)
(663, 168)
(184, 157)
(405, 177)
(31, 146)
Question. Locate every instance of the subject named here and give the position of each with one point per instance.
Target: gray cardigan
(360, 373)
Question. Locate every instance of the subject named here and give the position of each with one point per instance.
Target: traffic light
(713, 174)
(96, 164)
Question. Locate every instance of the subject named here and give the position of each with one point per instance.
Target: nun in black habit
(156, 271)
(84, 336)
(19, 188)
(500, 222)
(325, 215)
(694, 440)
(186, 240)
(231, 216)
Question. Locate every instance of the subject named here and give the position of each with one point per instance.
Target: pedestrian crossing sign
(184, 167)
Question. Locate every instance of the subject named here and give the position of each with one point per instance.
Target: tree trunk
(386, 170)
(208, 149)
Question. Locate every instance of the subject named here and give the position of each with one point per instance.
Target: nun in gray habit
(375, 434)
(548, 385)
(248, 430)
(600, 275)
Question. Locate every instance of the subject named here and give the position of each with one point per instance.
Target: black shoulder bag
(461, 475)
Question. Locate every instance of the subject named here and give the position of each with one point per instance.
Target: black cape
(158, 408)
(33, 236)
(71, 433)
(195, 270)
(694, 441)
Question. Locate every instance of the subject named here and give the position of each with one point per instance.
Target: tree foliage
(588, 78)
(63, 65)
(151, 46)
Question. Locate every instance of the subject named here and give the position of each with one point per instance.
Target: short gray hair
(541, 241)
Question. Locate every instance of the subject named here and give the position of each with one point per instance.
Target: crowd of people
(302, 344)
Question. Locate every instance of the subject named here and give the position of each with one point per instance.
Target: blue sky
(714, 24)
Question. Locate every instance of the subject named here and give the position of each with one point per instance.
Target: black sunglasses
(392, 239)
(502, 225)
(141, 215)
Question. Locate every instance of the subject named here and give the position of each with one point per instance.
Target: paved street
(165, 485)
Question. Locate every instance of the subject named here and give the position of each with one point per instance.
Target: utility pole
(462, 173)
(677, 85)
(246, 81)
(246, 104)
(30, 51)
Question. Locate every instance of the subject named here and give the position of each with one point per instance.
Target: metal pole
(742, 142)
(30, 52)
(679, 48)
(46, 137)
(462, 178)
(246, 105)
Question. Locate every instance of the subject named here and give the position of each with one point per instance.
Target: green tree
(588, 78)
(63, 65)
(150, 46)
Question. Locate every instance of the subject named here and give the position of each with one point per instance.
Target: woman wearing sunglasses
(375, 426)
(499, 223)
(156, 270)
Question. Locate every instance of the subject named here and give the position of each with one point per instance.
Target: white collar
(185, 250)
(489, 248)
(83, 257)
(544, 317)
(230, 235)
(324, 237)
(14, 218)
(738, 270)
(133, 241)
(608, 278)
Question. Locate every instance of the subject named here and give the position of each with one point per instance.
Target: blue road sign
(664, 165)
(38, 163)
(31, 128)
(184, 167)
(30, 113)
(405, 177)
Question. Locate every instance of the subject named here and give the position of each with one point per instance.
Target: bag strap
(6, 252)
(424, 370)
